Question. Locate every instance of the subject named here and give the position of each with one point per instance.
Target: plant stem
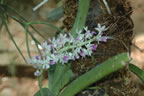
(40, 81)
(77, 45)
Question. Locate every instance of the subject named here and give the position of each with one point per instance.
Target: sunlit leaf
(95, 74)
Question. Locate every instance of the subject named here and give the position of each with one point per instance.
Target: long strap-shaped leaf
(81, 16)
(96, 74)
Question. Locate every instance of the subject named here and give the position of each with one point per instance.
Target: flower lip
(52, 62)
(65, 58)
(55, 52)
(93, 32)
(94, 46)
(51, 46)
(76, 39)
(81, 53)
(37, 57)
(76, 57)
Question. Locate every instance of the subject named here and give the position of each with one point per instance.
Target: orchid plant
(65, 48)
(58, 52)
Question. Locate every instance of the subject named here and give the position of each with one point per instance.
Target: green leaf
(26, 33)
(81, 16)
(59, 77)
(137, 71)
(46, 92)
(97, 73)
(55, 14)
(17, 13)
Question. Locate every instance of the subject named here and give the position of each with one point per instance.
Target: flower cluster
(66, 47)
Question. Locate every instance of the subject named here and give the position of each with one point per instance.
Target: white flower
(88, 35)
(88, 45)
(78, 49)
(70, 55)
(79, 32)
(54, 42)
(54, 58)
(83, 53)
(89, 51)
(100, 28)
(81, 37)
(45, 66)
(98, 38)
(44, 45)
(63, 58)
(37, 73)
(86, 28)
(62, 36)
(75, 54)
(70, 39)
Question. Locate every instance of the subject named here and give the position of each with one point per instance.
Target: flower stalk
(66, 47)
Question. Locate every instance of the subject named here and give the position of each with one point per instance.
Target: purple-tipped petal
(76, 57)
(37, 57)
(52, 62)
(81, 53)
(94, 46)
(104, 39)
(65, 58)
(76, 39)
(55, 52)
(93, 32)
(51, 46)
